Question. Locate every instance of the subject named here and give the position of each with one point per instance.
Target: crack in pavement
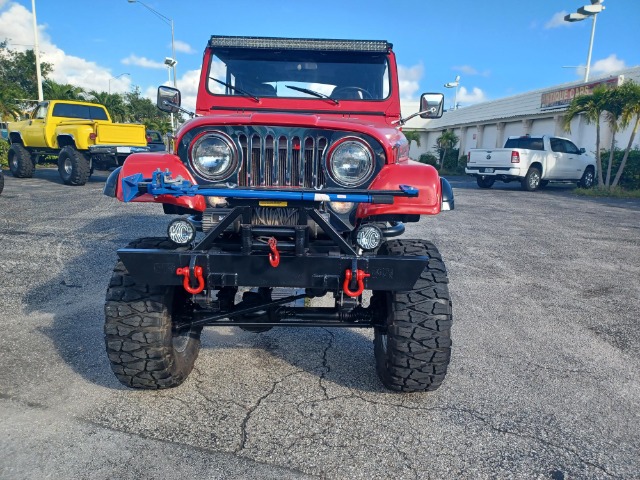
(254, 407)
(473, 413)
(325, 363)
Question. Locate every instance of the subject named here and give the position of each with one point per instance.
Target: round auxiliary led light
(181, 231)
(351, 162)
(214, 156)
(369, 237)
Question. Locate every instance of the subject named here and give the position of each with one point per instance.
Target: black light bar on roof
(274, 43)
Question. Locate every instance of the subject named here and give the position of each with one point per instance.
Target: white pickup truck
(533, 161)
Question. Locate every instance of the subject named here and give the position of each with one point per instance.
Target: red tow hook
(360, 276)
(186, 283)
(274, 257)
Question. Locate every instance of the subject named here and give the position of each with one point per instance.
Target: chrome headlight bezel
(201, 170)
(367, 171)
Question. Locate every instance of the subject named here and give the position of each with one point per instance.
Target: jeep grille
(281, 160)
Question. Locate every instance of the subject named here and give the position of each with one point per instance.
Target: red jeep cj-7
(297, 175)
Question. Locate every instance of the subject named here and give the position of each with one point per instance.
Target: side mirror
(431, 105)
(582, 150)
(168, 99)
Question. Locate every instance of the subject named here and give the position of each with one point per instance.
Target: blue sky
(499, 48)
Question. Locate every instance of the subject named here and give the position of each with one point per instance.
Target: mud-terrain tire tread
(24, 167)
(418, 334)
(80, 166)
(138, 330)
(485, 182)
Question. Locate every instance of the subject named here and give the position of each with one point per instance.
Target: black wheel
(144, 347)
(20, 161)
(588, 178)
(1, 181)
(73, 166)
(532, 180)
(485, 182)
(413, 348)
(543, 183)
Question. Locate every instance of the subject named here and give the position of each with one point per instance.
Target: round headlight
(351, 163)
(214, 156)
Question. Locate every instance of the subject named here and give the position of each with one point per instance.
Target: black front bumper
(244, 261)
(312, 270)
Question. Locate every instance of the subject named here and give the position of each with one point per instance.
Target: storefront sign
(563, 97)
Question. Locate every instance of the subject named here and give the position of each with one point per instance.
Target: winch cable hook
(274, 256)
(360, 275)
(186, 283)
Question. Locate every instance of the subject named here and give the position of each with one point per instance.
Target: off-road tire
(588, 178)
(413, 348)
(73, 166)
(144, 349)
(20, 161)
(485, 182)
(532, 179)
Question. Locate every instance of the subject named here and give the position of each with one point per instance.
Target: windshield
(270, 73)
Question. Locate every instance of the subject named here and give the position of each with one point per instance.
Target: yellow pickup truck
(80, 134)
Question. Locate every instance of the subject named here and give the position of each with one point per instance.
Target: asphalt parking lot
(543, 383)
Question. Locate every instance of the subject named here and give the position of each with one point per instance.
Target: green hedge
(630, 179)
(452, 164)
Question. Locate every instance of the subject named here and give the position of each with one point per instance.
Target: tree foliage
(445, 142)
(18, 83)
(630, 91)
(591, 106)
(619, 107)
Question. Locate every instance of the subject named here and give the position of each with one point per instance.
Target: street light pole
(168, 21)
(584, 12)
(593, 32)
(113, 78)
(36, 51)
(455, 84)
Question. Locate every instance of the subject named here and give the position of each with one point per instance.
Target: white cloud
(183, 47)
(608, 65)
(469, 70)
(142, 62)
(466, 69)
(467, 98)
(557, 20)
(409, 80)
(16, 24)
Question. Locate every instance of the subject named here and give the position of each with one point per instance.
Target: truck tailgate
(497, 157)
(121, 134)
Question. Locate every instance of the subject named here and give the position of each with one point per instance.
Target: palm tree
(61, 91)
(446, 141)
(114, 103)
(614, 106)
(412, 136)
(630, 91)
(592, 107)
(9, 106)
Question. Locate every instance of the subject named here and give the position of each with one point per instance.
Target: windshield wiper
(242, 92)
(315, 94)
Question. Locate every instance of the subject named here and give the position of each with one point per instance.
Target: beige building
(539, 112)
